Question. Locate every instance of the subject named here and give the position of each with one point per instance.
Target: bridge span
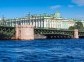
(55, 33)
(26, 32)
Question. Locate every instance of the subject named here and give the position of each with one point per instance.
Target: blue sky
(19, 8)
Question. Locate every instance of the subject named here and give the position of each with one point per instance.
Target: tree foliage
(77, 25)
(71, 28)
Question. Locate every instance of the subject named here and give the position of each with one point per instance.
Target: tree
(78, 25)
(71, 28)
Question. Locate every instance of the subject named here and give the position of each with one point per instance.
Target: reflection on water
(59, 50)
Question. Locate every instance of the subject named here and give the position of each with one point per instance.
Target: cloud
(70, 6)
(55, 7)
(78, 2)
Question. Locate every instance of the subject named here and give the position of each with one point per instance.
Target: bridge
(10, 32)
(7, 32)
(56, 33)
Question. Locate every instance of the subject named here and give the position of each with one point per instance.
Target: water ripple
(70, 50)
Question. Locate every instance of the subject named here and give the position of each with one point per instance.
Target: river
(48, 50)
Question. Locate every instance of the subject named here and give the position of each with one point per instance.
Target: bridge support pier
(24, 32)
(76, 36)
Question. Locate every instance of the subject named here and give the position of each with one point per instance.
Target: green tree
(71, 28)
(78, 25)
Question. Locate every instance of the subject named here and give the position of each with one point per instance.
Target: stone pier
(76, 36)
(24, 32)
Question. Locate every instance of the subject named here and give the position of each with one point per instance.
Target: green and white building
(41, 21)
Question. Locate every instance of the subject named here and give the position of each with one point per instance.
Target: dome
(57, 15)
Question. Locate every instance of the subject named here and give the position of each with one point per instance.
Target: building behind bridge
(40, 21)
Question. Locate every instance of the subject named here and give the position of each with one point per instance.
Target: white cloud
(55, 7)
(78, 2)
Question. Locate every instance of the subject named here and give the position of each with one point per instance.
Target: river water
(50, 50)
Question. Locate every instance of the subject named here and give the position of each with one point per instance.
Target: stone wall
(24, 32)
(76, 36)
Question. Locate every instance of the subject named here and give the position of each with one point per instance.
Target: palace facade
(41, 21)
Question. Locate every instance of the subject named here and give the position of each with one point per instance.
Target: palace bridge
(9, 33)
